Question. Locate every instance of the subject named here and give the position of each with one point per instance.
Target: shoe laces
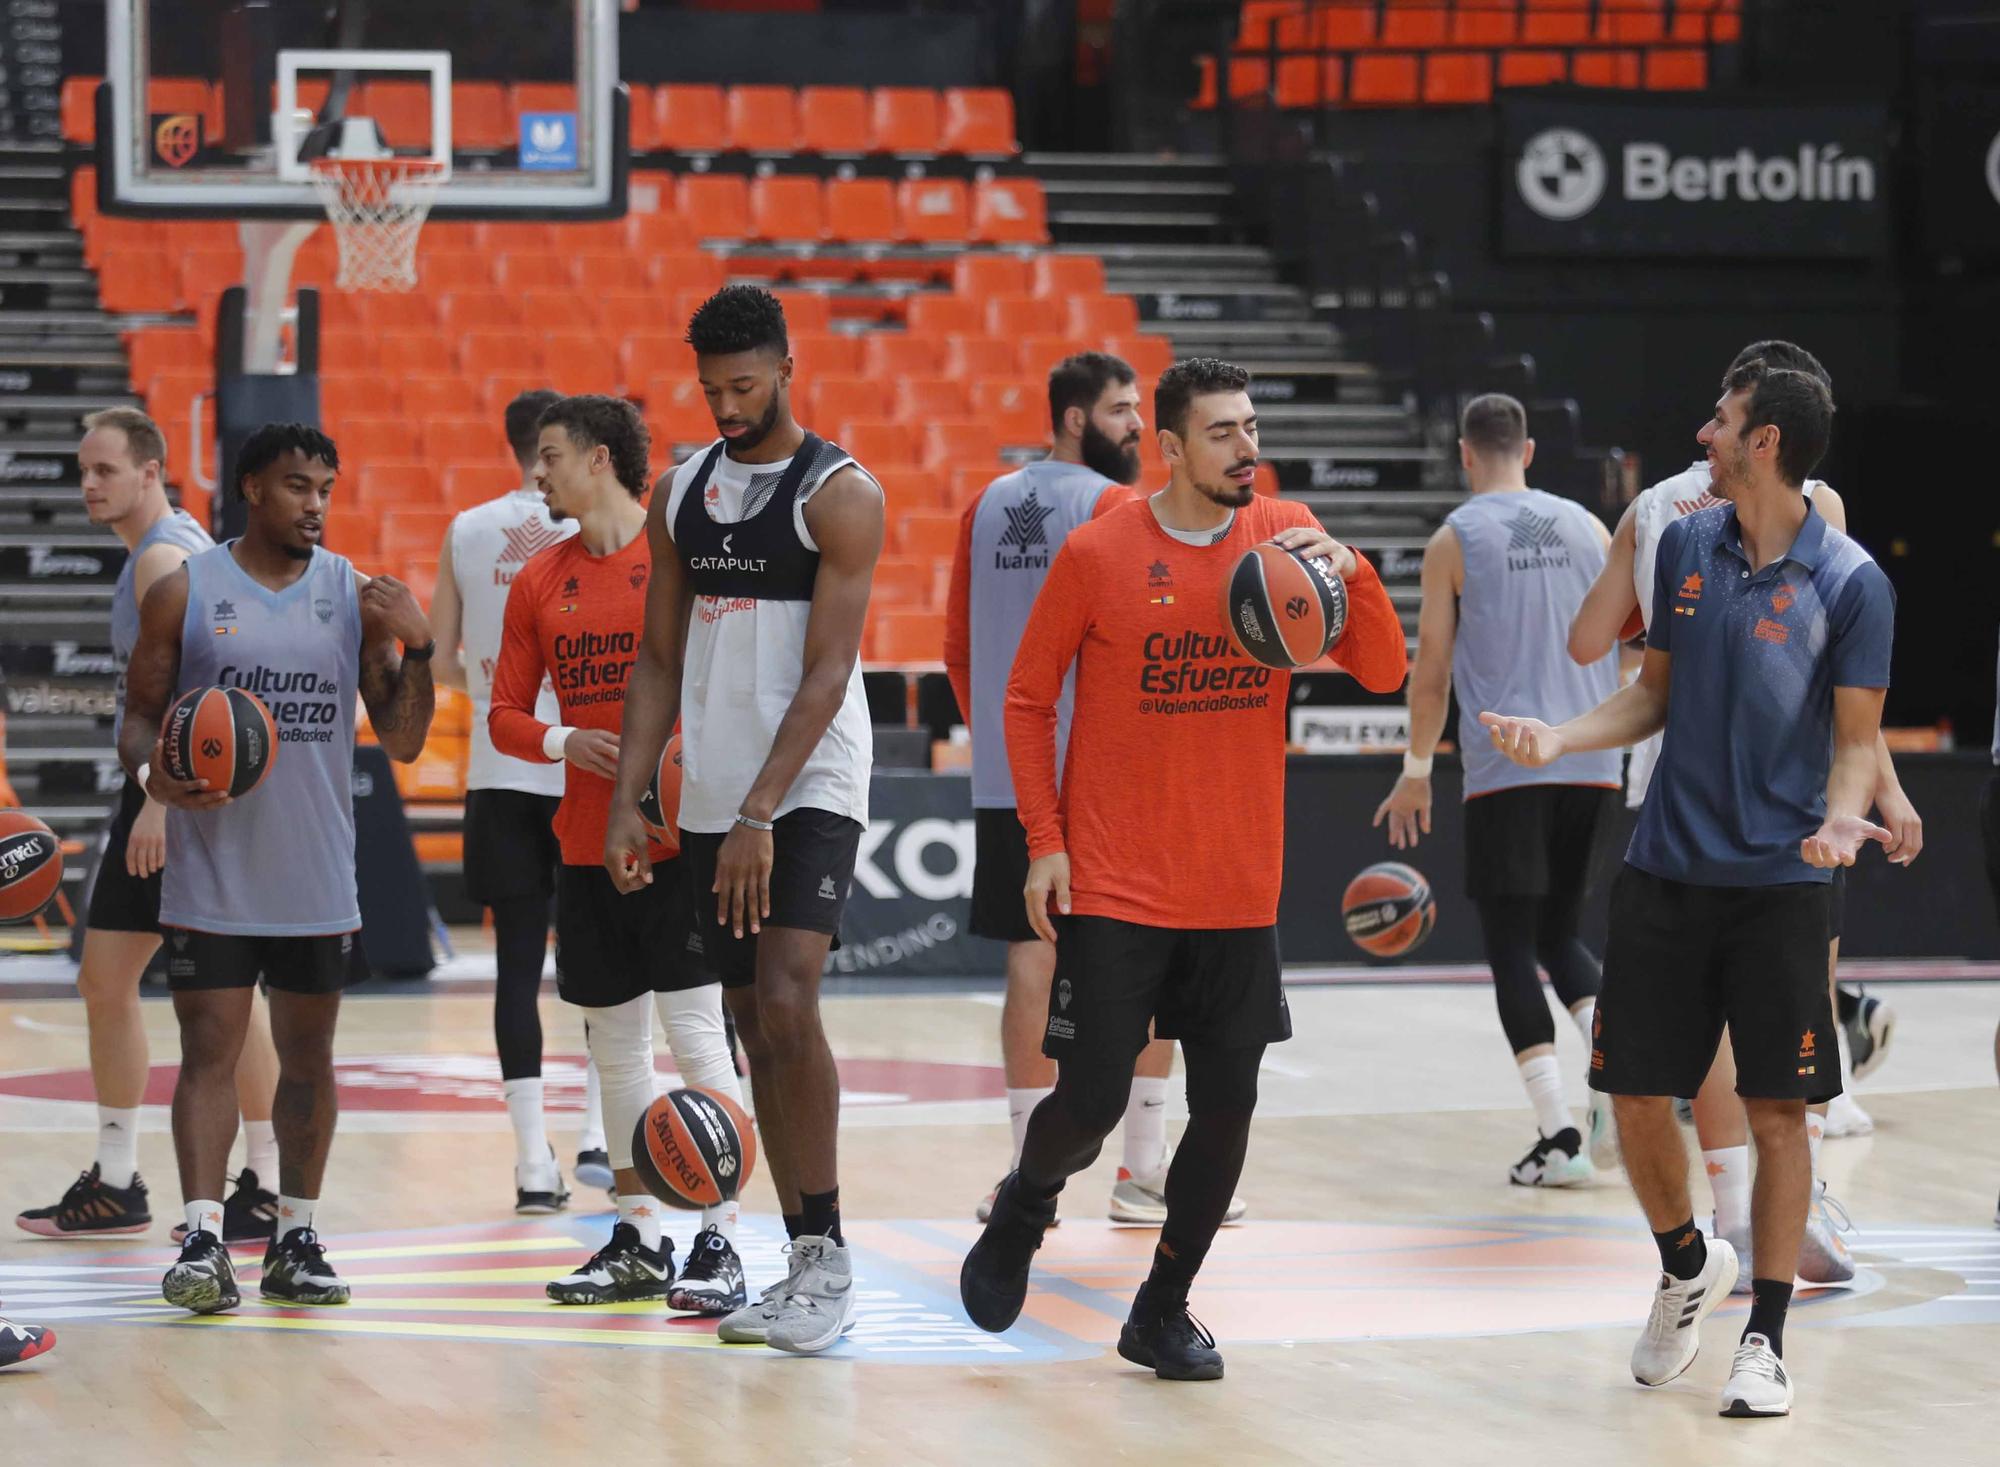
(1667, 1305)
(624, 1238)
(1757, 1359)
(1177, 1320)
(1829, 1207)
(87, 1185)
(303, 1245)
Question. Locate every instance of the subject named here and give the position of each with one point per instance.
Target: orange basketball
(1635, 626)
(222, 735)
(660, 806)
(1389, 909)
(694, 1149)
(1282, 609)
(31, 865)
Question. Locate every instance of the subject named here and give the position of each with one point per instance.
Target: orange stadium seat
(979, 120)
(1034, 355)
(1066, 275)
(1605, 69)
(906, 489)
(454, 270)
(388, 484)
(1453, 78)
(861, 209)
(786, 206)
(1676, 71)
(763, 119)
(1307, 81)
(1146, 354)
(170, 399)
(717, 204)
(138, 282)
(1348, 26)
(972, 356)
(690, 119)
(1017, 408)
(466, 482)
(882, 441)
(425, 396)
(969, 481)
(1495, 23)
(1630, 22)
(343, 396)
(1416, 24)
(401, 111)
(902, 580)
(363, 439)
(823, 351)
(932, 533)
(479, 116)
(933, 209)
(903, 635)
(1382, 81)
(906, 120)
(944, 314)
(919, 399)
(979, 274)
(689, 270)
(842, 399)
(958, 440)
(1093, 317)
(680, 425)
(1555, 23)
(892, 354)
(516, 272)
(449, 440)
(652, 234)
(1010, 211)
(160, 349)
(1532, 68)
(577, 363)
(478, 310)
(79, 109)
(542, 97)
(1023, 315)
(645, 126)
(805, 310)
(480, 350)
(835, 120)
(597, 270)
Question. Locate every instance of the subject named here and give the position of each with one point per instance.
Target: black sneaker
(296, 1271)
(202, 1280)
(993, 1283)
(593, 1169)
(249, 1213)
(91, 1209)
(1553, 1161)
(1869, 1029)
(540, 1201)
(711, 1282)
(22, 1342)
(622, 1270)
(1162, 1336)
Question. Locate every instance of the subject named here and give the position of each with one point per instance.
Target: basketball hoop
(377, 206)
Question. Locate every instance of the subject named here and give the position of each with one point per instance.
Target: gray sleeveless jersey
(279, 862)
(178, 528)
(1529, 559)
(1020, 523)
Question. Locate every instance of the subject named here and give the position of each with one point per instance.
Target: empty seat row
(1299, 25)
(1444, 78)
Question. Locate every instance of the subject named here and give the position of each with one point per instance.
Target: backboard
(214, 108)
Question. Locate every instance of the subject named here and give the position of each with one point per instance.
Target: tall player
(575, 613)
(263, 888)
(123, 457)
(764, 549)
(1766, 663)
(1502, 577)
(511, 853)
(1162, 851)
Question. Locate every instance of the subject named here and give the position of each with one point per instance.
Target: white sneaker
(1553, 1161)
(819, 1308)
(1823, 1255)
(1745, 1271)
(1758, 1384)
(1145, 1203)
(751, 1325)
(1845, 1117)
(1673, 1330)
(1603, 1132)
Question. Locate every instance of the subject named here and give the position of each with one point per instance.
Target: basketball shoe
(819, 1307)
(1869, 1029)
(1673, 1330)
(202, 1280)
(593, 1168)
(984, 1211)
(1758, 1384)
(993, 1281)
(1134, 1200)
(542, 1192)
(1823, 1255)
(1845, 1117)
(296, 1271)
(91, 1208)
(1161, 1335)
(711, 1281)
(1603, 1132)
(1553, 1161)
(249, 1213)
(1740, 1242)
(623, 1269)
(751, 1325)
(22, 1342)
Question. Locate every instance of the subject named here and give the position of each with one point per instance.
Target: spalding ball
(1283, 609)
(1389, 909)
(693, 1148)
(222, 735)
(31, 865)
(660, 806)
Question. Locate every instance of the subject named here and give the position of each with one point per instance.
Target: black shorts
(1683, 961)
(1217, 986)
(211, 960)
(1535, 840)
(612, 946)
(1836, 898)
(1989, 836)
(1000, 876)
(120, 901)
(510, 845)
(812, 867)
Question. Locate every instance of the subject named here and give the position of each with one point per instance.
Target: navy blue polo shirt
(1757, 654)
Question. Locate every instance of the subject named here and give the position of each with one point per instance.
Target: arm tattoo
(399, 693)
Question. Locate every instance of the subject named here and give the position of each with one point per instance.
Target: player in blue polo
(1766, 665)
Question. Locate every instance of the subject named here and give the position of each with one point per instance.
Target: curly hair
(274, 440)
(592, 419)
(1796, 403)
(1078, 381)
(738, 318)
(1184, 381)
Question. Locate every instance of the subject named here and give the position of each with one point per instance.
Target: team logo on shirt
(1027, 524)
(1781, 600)
(1690, 591)
(225, 616)
(570, 587)
(638, 577)
(323, 609)
(1159, 577)
(1808, 1050)
(1774, 632)
(729, 560)
(1703, 500)
(1535, 543)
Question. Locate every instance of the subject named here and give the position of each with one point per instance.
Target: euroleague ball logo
(1561, 174)
(1297, 607)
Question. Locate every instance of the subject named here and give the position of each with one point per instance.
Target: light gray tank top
(178, 528)
(279, 862)
(1020, 523)
(1529, 559)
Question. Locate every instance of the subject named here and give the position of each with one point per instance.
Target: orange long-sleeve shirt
(1172, 806)
(577, 617)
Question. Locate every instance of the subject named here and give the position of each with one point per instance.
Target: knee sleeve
(699, 1039)
(1093, 1098)
(1573, 970)
(1509, 926)
(621, 1042)
(520, 940)
(1222, 1082)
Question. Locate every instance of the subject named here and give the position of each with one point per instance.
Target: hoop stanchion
(377, 207)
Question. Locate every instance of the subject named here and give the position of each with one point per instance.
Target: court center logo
(1561, 174)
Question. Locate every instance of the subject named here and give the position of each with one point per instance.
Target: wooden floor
(1390, 1299)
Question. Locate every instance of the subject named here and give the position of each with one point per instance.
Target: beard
(1229, 494)
(758, 431)
(1729, 474)
(298, 552)
(1118, 462)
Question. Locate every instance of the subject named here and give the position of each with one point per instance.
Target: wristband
(765, 825)
(1415, 768)
(552, 744)
(420, 654)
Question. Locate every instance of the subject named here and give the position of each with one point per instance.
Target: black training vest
(760, 558)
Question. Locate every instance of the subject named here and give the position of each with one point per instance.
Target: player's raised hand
(1838, 841)
(388, 603)
(1318, 545)
(1527, 741)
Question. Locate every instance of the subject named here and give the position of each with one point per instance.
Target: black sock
(1769, 1300)
(795, 1223)
(1683, 1250)
(820, 1216)
(1175, 1263)
(1846, 1002)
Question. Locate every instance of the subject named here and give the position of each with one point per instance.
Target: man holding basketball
(1165, 887)
(574, 614)
(262, 887)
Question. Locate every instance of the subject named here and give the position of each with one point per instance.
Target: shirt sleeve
(1049, 644)
(1660, 634)
(958, 617)
(1862, 629)
(517, 677)
(1372, 650)
(1113, 496)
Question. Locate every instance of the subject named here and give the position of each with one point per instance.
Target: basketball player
(262, 888)
(1502, 577)
(511, 852)
(1006, 539)
(1162, 851)
(23, 1342)
(764, 548)
(1766, 664)
(575, 614)
(123, 458)
(1614, 601)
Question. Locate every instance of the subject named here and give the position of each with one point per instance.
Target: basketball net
(377, 207)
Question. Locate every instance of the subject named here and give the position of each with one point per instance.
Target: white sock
(643, 1212)
(531, 1137)
(1728, 1169)
(592, 1138)
(295, 1213)
(621, 1041)
(1583, 1013)
(1542, 1078)
(1815, 1133)
(1146, 1127)
(117, 1145)
(722, 1219)
(1020, 1105)
(204, 1216)
(260, 1147)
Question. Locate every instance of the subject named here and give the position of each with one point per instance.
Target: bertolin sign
(1672, 179)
